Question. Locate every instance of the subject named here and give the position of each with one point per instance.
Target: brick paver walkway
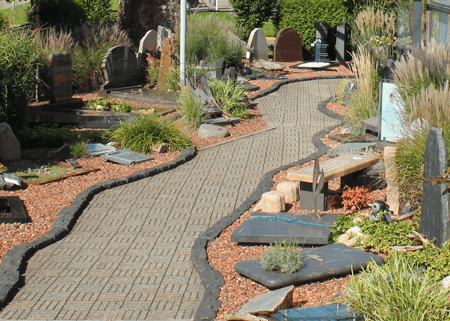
(128, 256)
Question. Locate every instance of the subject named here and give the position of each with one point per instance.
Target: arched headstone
(257, 41)
(149, 41)
(119, 67)
(288, 46)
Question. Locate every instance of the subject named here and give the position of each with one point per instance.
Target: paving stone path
(128, 256)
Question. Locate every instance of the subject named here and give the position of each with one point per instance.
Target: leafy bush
(433, 260)
(61, 12)
(147, 131)
(190, 110)
(283, 257)
(78, 149)
(110, 104)
(230, 96)
(4, 23)
(99, 11)
(211, 37)
(396, 292)
(253, 14)
(152, 74)
(301, 15)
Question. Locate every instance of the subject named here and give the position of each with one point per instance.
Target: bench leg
(353, 180)
(307, 199)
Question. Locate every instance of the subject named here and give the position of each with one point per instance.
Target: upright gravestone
(161, 35)
(147, 43)
(340, 42)
(119, 67)
(167, 63)
(60, 76)
(288, 46)
(257, 45)
(434, 220)
(321, 42)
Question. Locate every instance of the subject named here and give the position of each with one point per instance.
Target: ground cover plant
(230, 96)
(283, 257)
(110, 104)
(190, 110)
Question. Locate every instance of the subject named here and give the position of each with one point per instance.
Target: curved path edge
(212, 279)
(14, 261)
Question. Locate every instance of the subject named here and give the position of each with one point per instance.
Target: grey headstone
(212, 131)
(148, 41)
(341, 40)
(349, 148)
(119, 67)
(127, 157)
(60, 76)
(99, 149)
(257, 41)
(229, 73)
(264, 228)
(162, 33)
(330, 312)
(337, 260)
(434, 220)
(322, 30)
(349, 89)
(9, 144)
(220, 68)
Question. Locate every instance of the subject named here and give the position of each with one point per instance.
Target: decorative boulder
(212, 131)
(9, 144)
(270, 302)
(271, 202)
(290, 190)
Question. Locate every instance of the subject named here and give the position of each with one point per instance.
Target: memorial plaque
(60, 76)
(288, 46)
(434, 220)
(119, 67)
(127, 157)
(148, 42)
(265, 228)
(257, 41)
(330, 312)
(12, 210)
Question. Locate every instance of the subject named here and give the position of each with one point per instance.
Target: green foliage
(78, 149)
(301, 15)
(434, 261)
(152, 74)
(110, 104)
(340, 88)
(270, 29)
(252, 14)
(190, 110)
(99, 11)
(172, 81)
(16, 17)
(147, 131)
(4, 21)
(211, 37)
(283, 257)
(230, 96)
(395, 292)
(379, 235)
(61, 12)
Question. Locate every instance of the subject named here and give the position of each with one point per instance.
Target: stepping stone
(330, 312)
(99, 149)
(222, 121)
(371, 123)
(265, 228)
(127, 157)
(270, 302)
(349, 148)
(336, 260)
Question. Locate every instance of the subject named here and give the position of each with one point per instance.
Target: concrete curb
(14, 262)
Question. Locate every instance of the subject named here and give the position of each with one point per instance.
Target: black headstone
(434, 220)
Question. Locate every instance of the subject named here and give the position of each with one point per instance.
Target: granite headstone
(257, 41)
(119, 67)
(434, 220)
(341, 40)
(60, 76)
(322, 42)
(148, 41)
(288, 46)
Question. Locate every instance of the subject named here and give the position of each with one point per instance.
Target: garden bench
(348, 167)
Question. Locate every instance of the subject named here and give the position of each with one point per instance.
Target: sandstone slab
(9, 144)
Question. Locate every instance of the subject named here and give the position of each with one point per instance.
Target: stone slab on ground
(270, 302)
(212, 131)
(337, 260)
(269, 65)
(127, 157)
(12, 210)
(97, 149)
(9, 144)
(371, 123)
(265, 228)
(330, 312)
(349, 148)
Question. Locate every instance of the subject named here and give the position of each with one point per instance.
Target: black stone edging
(14, 262)
(323, 108)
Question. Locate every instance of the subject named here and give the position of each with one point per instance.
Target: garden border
(14, 261)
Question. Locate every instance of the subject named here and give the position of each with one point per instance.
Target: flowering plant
(315, 42)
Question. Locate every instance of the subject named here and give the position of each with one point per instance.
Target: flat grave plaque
(267, 228)
(335, 167)
(315, 65)
(330, 312)
(127, 157)
(99, 149)
(12, 210)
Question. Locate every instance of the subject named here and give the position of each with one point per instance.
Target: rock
(357, 220)
(446, 283)
(270, 302)
(273, 202)
(161, 148)
(343, 238)
(99, 107)
(291, 191)
(212, 131)
(9, 144)
(12, 178)
(258, 207)
(269, 65)
(354, 231)
(243, 317)
(351, 242)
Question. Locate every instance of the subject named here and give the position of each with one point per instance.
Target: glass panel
(440, 26)
(404, 14)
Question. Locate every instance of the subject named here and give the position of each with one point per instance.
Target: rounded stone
(343, 238)
(290, 190)
(212, 131)
(273, 202)
(355, 230)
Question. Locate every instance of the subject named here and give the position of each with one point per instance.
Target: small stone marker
(73, 162)
(12, 210)
(266, 228)
(272, 202)
(212, 131)
(99, 149)
(161, 35)
(127, 157)
(393, 197)
(270, 302)
(291, 191)
(119, 67)
(257, 41)
(60, 76)
(371, 123)
(341, 40)
(330, 312)
(9, 144)
(338, 260)
(148, 42)
(288, 46)
(167, 62)
(434, 220)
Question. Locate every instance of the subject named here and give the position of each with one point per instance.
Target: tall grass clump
(147, 131)
(394, 291)
(190, 110)
(230, 96)
(210, 37)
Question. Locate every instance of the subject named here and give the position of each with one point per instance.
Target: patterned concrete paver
(128, 256)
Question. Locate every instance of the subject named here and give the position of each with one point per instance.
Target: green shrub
(433, 260)
(211, 37)
(396, 292)
(61, 12)
(270, 28)
(252, 14)
(147, 131)
(99, 11)
(78, 149)
(230, 96)
(110, 104)
(4, 23)
(190, 110)
(301, 15)
(152, 74)
(283, 257)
